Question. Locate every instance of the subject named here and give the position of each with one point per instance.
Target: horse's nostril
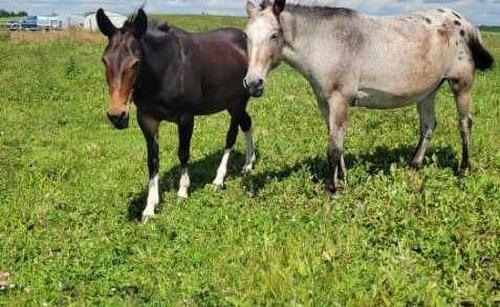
(260, 82)
(122, 116)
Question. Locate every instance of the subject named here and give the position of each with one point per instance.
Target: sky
(480, 11)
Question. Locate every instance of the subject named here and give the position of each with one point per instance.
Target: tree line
(4, 13)
(490, 28)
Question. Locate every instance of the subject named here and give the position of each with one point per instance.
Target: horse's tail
(482, 58)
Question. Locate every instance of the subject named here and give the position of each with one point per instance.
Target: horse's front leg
(185, 127)
(246, 126)
(231, 136)
(337, 118)
(149, 127)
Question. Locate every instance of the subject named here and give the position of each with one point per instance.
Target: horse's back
(227, 35)
(408, 56)
(218, 60)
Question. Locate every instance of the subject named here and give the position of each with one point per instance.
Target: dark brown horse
(173, 75)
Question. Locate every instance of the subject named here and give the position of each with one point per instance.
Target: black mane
(156, 25)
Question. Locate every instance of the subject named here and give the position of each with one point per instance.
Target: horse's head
(265, 43)
(121, 58)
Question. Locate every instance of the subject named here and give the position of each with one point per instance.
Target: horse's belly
(376, 99)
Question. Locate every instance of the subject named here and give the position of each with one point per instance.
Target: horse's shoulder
(227, 35)
(226, 32)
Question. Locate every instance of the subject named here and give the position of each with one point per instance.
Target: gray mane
(313, 10)
(320, 11)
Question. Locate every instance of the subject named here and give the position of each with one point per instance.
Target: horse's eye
(274, 36)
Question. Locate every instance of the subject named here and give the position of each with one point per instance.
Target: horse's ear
(105, 25)
(140, 23)
(278, 6)
(252, 9)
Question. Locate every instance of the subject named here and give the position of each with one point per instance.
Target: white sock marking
(153, 199)
(184, 184)
(222, 170)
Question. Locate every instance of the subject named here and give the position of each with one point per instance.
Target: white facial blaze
(260, 45)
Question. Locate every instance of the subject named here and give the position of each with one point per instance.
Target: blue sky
(481, 11)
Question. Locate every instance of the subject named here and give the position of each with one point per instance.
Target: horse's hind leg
(426, 110)
(462, 91)
(185, 127)
(337, 118)
(461, 79)
(231, 136)
(245, 122)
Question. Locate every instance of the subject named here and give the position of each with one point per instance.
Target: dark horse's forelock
(130, 20)
(162, 26)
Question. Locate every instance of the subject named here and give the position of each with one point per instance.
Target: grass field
(7, 19)
(71, 187)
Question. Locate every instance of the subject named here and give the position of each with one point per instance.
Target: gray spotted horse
(351, 59)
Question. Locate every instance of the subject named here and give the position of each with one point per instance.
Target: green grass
(202, 23)
(70, 186)
(5, 20)
(4, 36)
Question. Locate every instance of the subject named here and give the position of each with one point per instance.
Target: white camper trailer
(90, 21)
(49, 22)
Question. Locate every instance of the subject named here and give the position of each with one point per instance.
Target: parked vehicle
(14, 24)
(29, 23)
(34, 23)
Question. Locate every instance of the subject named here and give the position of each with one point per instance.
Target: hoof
(246, 169)
(331, 191)
(464, 171)
(182, 194)
(145, 218)
(216, 187)
(416, 164)
(182, 197)
(331, 195)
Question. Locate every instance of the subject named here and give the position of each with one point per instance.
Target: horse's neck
(160, 60)
(155, 52)
(300, 43)
(317, 47)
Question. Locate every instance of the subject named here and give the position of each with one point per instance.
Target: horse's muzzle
(254, 88)
(119, 121)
